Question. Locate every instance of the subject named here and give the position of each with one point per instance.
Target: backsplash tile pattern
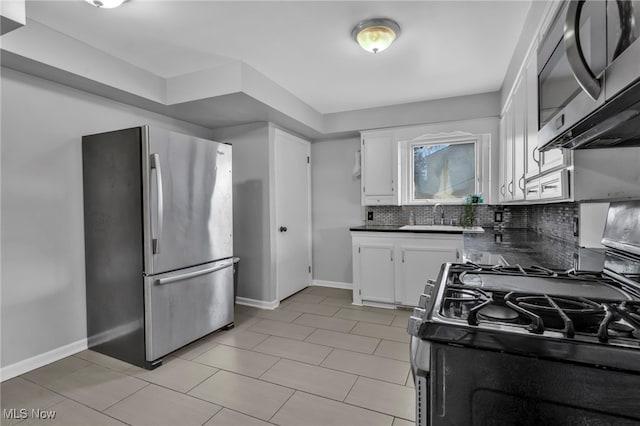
(424, 215)
(554, 220)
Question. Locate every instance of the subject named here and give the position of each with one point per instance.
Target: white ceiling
(447, 48)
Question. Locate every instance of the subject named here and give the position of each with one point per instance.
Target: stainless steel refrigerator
(158, 241)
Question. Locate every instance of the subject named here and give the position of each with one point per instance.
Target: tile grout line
(213, 415)
(283, 404)
(204, 380)
(351, 388)
(131, 394)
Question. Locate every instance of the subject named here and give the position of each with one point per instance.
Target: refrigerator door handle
(155, 164)
(174, 278)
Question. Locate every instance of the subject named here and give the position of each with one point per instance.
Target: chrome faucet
(435, 209)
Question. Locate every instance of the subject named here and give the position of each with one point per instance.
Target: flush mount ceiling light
(375, 35)
(105, 4)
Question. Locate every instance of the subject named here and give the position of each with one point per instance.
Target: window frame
(481, 147)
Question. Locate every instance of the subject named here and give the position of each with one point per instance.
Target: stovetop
(589, 318)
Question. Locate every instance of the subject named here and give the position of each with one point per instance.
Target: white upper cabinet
(513, 125)
(380, 174)
(522, 166)
(519, 139)
(532, 160)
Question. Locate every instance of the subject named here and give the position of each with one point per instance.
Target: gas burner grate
(467, 266)
(464, 301)
(533, 270)
(563, 314)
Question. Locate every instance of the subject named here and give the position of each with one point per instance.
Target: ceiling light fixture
(375, 35)
(105, 4)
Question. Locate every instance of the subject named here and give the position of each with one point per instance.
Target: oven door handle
(581, 71)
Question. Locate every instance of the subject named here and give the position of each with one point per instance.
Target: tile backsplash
(555, 220)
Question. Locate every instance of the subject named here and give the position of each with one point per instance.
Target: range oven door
(571, 63)
(477, 387)
(420, 357)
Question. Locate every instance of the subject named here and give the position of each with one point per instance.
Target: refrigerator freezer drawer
(184, 305)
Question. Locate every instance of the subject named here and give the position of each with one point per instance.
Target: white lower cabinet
(419, 264)
(376, 268)
(392, 269)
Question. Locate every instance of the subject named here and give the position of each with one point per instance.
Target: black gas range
(530, 345)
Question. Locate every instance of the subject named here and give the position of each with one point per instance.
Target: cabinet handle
(533, 154)
(549, 186)
(391, 253)
(402, 256)
(532, 190)
(457, 254)
(502, 190)
(521, 186)
(510, 187)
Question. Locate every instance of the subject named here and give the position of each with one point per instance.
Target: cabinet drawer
(555, 185)
(532, 190)
(183, 306)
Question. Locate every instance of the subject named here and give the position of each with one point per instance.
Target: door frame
(275, 132)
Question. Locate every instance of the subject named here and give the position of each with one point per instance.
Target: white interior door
(293, 214)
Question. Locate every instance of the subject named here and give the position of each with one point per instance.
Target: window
(442, 168)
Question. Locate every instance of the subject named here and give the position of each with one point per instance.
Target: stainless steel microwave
(589, 76)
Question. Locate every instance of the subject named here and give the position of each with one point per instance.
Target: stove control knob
(424, 299)
(428, 288)
(414, 325)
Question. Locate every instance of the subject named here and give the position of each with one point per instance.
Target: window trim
(482, 154)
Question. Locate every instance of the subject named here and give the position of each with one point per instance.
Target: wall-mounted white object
(356, 165)
(593, 217)
(105, 4)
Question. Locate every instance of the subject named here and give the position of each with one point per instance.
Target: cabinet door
(379, 169)
(419, 264)
(519, 135)
(377, 281)
(532, 154)
(502, 184)
(508, 152)
(554, 158)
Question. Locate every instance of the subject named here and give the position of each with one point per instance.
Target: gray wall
(251, 209)
(43, 282)
(427, 112)
(335, 207)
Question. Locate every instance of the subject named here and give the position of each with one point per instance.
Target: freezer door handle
(194, 274)
(155, 164)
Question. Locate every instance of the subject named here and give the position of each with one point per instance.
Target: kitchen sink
(441, 228)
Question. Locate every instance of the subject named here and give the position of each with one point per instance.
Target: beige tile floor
(316, 360)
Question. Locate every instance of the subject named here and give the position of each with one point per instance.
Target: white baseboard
(333, 284)
(262, 304)
(21, 367)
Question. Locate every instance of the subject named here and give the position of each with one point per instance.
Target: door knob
(283, 229)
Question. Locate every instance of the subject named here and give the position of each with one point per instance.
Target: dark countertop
(396, 228)
(516, 246)
(526, 248)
